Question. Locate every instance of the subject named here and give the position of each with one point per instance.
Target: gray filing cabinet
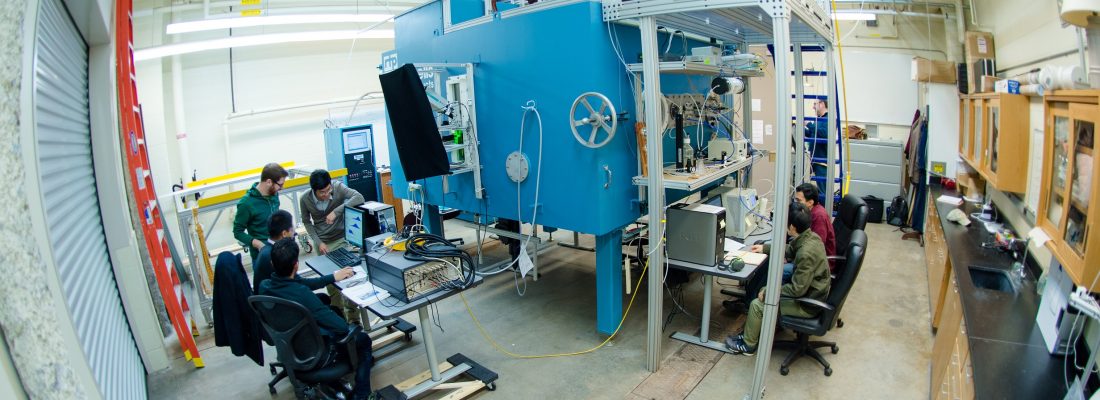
(875, 168)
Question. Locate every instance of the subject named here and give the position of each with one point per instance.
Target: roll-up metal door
(75, 227)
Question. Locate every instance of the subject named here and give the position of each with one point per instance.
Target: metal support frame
(834, 122)
(781, 20)
(656, 194)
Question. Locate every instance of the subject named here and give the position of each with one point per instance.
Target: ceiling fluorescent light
(244, 22)
(257, 40)
(853, 16)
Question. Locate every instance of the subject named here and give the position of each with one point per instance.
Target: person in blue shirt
(284, 284)
(819, 129)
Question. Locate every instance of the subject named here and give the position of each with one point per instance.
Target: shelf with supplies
(698, 68)
(994, 138)
(695, 180)
(1067, 190)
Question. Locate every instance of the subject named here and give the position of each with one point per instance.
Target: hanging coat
(235, 324)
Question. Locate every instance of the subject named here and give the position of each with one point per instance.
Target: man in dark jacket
(811, 279)
(257, 205)
(281, 226)
(285, 285)
(235, 324)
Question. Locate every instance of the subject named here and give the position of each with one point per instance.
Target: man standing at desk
(323, 215)
(254, 209)
(285, 285)
(810, 279)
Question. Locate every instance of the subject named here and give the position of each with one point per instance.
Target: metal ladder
(835, 157)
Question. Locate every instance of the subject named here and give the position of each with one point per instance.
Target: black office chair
(830, 309)
(313, 364)
(851, 215)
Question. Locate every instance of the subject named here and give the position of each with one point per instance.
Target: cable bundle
(429, 247)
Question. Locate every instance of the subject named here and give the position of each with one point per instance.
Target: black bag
(898, 212)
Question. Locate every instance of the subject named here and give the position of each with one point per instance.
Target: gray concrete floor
(885, 345)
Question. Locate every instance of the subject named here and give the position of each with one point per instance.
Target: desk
(709, 272)
(396, 328)
(439, 375)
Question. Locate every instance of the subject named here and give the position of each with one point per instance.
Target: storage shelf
(695, 182)
(694, 68)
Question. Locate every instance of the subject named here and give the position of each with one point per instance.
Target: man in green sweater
(256, 207)
(323, 215)
(810, 279)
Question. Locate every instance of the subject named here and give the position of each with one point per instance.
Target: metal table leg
(704, 332)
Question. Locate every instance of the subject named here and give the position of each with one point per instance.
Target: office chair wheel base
(492, 387)
(835, 349)
(273, 372)
(408, 337)
(828, 371)
(272, 390)
(839, 323)
(784, 371)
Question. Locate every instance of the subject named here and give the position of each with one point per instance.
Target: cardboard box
(975, 70)
(925, 70)
(969, 182)
(979, 45)
(987, 84)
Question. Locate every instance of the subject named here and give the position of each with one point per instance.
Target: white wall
(264, 77)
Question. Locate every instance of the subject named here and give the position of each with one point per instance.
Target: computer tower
(696, 233)
(378, 218)
(352, 147)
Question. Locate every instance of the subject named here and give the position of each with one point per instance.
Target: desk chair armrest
(349, 341)
(809, 302)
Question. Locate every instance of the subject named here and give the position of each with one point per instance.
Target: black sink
(991, 279)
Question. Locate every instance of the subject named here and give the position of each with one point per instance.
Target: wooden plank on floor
(683, 370)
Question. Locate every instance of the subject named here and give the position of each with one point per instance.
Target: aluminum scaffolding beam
(781, 19)
(656, 199)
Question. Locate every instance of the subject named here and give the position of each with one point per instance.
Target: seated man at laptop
(810, 279)
(281, 226)
(285, 285)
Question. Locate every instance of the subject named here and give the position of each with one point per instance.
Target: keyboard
(343, 257)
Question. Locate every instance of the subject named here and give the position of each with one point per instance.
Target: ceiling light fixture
(244, 22)
(257, 40)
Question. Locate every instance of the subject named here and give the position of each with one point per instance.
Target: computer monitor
(353, 226)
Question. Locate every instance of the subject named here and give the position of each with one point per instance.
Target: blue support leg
(609, 281)
(432, 220)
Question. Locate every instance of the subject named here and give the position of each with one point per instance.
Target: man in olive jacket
(810, 279)
(256, 207)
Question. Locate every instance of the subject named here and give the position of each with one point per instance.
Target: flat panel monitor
(353, 226)
(357, 140)
(415, 133)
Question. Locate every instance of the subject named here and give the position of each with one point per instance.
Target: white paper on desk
(748, 257)
(732, 245)
(525, 264)
(365, 294)
(950, 200)
(355, 280)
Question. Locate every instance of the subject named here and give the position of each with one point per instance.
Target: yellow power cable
(844, 100)
(521, 356)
